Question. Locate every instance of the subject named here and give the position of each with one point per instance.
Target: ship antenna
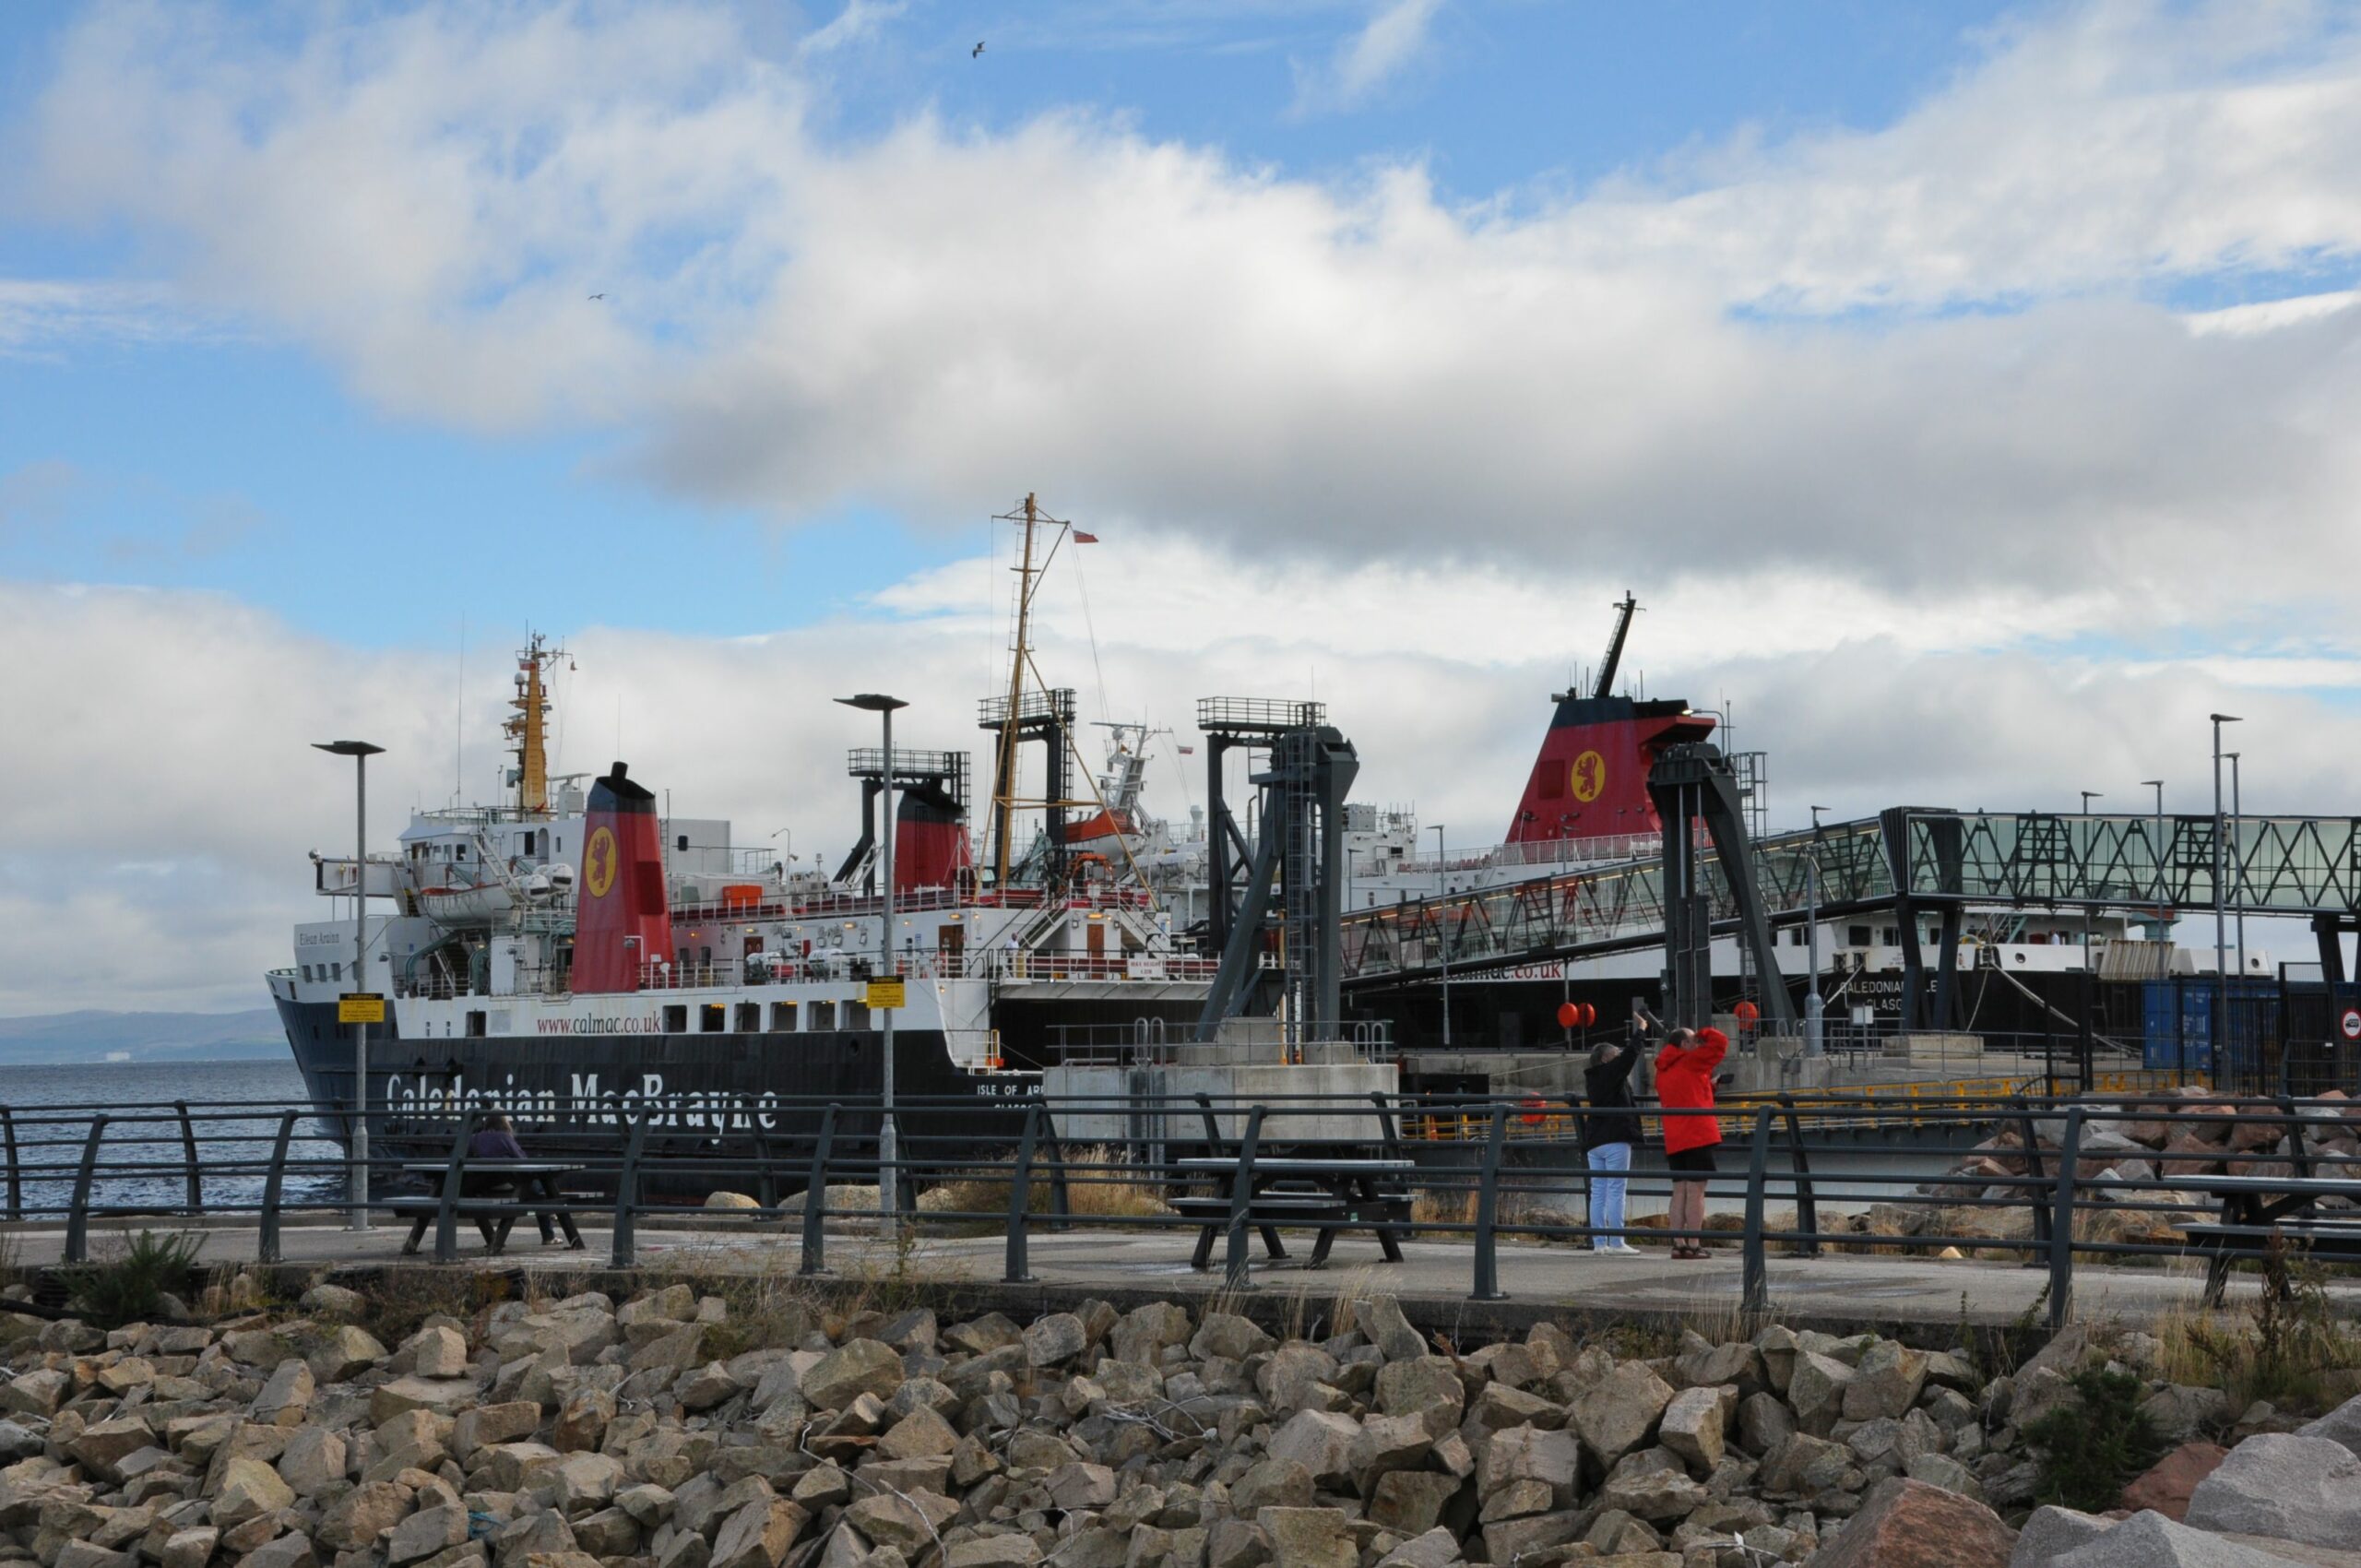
(1624, 609)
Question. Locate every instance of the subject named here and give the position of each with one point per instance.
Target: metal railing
(2061, 1184)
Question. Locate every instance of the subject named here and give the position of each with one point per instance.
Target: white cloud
(2271, 314)
(1353, 370)
(43, 316)
(1369, 60)
(860, 22)
(155, 841)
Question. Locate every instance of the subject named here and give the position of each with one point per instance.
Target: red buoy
(1590, 1015)
(1570, 1014)
(1747, 1011)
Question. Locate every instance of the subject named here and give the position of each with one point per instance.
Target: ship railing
(1606, 849)
(702, 976)
(1256, 1041)
(1035, 967)
(2069, 1184)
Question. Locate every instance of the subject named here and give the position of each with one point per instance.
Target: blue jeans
(1606, 1163)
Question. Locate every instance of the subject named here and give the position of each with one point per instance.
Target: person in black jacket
(1608, 1134)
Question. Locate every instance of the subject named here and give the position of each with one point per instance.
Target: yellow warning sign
(361, 1007)
(1589, 776)
(599, 862)
(886, 994)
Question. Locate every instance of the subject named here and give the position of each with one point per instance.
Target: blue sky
(235, 460)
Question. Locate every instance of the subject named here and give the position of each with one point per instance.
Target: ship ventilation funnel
(1591, 780)
(930, 839)
(623, 924)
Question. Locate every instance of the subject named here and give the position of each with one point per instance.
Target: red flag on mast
(1082, 537)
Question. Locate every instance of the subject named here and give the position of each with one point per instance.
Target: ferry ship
(573, 952)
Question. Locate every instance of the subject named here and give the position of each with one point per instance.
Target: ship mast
(527, 728)
(1004, 774)
(1607, 666)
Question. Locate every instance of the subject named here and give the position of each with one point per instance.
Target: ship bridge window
(1890, 936)
(1856, 936)
(459, 851)
(308, 972)
(782, 1017)
(712, 1018)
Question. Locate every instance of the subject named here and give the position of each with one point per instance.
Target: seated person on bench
(496, 1139)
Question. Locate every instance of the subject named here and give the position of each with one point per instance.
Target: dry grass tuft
(2287, 1346)
(1101, 1187)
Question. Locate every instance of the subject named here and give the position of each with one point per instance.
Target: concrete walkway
(1923, 1296)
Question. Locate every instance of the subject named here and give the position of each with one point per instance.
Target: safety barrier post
(1756, 1266)
(1487, 1196)
(446, 1212)
(16, 1170)
(2033, 1172)
(2061, 1224)
(188, 1150)
(767, 1178)
(1800, 1160)
(1241, 1195)
(77, 1219)
(1020, 1187)
(1060, 1189)
(267, 1246)
(624, 1250)
(815, 1199)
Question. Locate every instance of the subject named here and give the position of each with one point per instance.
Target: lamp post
(2088, 796)
(2220, 1029)
(2237, 833)
(1815, 1009)
(357, 1181)
(889, 1192)
(1443, 932)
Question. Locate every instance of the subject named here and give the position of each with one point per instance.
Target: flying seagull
(977, 53)
(598, 296)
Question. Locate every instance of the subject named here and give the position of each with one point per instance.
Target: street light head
(874, 702)
(2227, 718)
(2152, 783)
(347, 748)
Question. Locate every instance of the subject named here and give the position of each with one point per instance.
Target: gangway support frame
(1694, 782)
(1293, 883)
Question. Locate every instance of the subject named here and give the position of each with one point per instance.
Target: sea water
(235, 1107)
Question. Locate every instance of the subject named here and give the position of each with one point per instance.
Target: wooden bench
(1327, 1212)
(423, 1211)
(504, 1190)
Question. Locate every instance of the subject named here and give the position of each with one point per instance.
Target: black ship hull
(741, 1104)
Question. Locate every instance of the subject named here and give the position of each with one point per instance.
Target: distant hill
(94, 1036)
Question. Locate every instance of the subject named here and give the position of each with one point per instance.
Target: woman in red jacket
(1685, 1081)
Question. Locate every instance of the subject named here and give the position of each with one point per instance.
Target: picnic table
(494, 1194)
(1329, 1193)
(2256, 1209)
